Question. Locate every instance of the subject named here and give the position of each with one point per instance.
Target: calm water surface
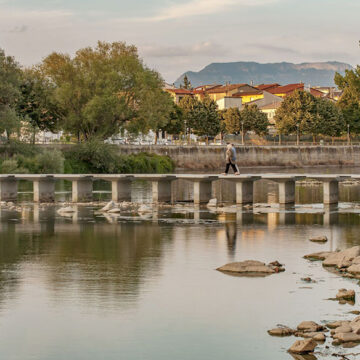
(93, 287)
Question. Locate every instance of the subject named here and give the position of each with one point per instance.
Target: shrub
(10, 166)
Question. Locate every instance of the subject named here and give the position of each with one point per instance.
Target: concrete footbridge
(242, 185)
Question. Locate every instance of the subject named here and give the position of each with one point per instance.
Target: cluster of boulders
(346, 262)
(312, 333)
(10, 206)
(252, 267)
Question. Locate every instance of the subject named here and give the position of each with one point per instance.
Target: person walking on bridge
(231, 160)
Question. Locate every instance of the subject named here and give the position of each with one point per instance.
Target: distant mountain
(319, 73)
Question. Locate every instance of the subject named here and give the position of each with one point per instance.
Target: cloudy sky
(176, 36)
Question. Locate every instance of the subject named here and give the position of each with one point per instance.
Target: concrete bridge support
(331, 192)
(121, 190)
(82, 189)
(44, 189)
(8, 188)
(161, 191)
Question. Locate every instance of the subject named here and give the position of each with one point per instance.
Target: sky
(177, 36)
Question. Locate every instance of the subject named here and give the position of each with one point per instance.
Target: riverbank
(203, 158)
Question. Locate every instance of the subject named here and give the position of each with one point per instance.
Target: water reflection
(123, 281)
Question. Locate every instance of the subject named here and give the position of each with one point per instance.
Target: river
(91, 286)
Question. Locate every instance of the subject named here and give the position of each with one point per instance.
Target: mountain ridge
(313, 73)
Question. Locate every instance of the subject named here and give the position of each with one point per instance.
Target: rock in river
(281, 331)
(250, 267)
(303, 346)
(344, 294)
(318, 255)
(342, 258)
(319, 239)
(310, 326)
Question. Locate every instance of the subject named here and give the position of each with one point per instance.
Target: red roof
(267, 86)
(225, 88)
(286, 88)
(180, 91)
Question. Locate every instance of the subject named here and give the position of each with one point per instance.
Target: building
(228, 102)
(220, 92)
(286, 90)
(178, 94)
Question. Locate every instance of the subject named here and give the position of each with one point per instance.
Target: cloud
(272, 48)
(18, 29)
(201, 49)
(201, 7)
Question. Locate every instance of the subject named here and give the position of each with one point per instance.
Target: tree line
(102, 91)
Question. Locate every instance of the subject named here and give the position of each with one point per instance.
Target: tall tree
(36, 105)
(253, 119)
(297, 114)
(106, 88)
(232, 120)
(186, 83)
(349, 102)
(10, 78)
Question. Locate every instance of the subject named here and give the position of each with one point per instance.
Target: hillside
(320, 73)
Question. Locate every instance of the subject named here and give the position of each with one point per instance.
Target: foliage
(99, 158)
(296, 113)
(186, 83)
(36, 104)
(201, 117)
(103, 89)
(303, 112)
(10, 75)
(349, 102)
(11, 166)
(175, 124)
(232, 120)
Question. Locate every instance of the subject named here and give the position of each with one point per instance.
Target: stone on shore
(345, 328)
(342, 258)
(281, 331)
(347, 337)
(322, 255)
(319, 239)
(309, 326)
(212, 203)
(336, 324)
(109, 206)
(250, 267)
(303, 346)
(344, 294)
(354, 269)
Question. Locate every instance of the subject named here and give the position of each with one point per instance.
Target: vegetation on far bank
(86, 158)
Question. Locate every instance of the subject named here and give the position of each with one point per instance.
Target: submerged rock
(322, 255)
(344, 294)
(303, 346)
(320, 239)
(281, 331)
(250, 267)
(347, 337)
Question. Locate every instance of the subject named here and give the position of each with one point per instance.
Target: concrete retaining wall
(212, 157)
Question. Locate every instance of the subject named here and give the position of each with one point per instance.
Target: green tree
(186, 83)
(36, 104)
(104, 89)
(10, 77)
(232, 120)
(253, 119)
(297, 114)
(175, 125)
(192, 112)
(329, 118)
(349, 102)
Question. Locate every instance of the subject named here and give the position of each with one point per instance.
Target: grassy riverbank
(86, 158)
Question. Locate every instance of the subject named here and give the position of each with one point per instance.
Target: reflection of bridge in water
(241, 187)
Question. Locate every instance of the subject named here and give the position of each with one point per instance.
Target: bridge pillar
(331, 191)
(44, 189)
(202, 191)
(82, 190)
(8, 189)
(287, 192)
(161, 191)
(121, 190)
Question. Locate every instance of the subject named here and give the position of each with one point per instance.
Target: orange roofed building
(286, 90)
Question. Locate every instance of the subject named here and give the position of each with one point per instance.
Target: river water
(91, 286)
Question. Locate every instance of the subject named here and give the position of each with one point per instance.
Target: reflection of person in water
(231, 234)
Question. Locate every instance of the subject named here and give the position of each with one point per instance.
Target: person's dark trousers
(228, 167)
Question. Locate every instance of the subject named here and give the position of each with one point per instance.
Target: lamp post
(297, 135)
(348, 134)
(242, 133)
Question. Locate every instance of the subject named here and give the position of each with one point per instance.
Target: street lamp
(348, 134)
(242, 133)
